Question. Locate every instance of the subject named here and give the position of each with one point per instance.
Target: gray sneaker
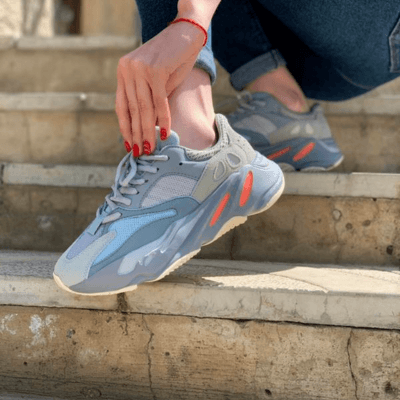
(295, 141)
(164, 207)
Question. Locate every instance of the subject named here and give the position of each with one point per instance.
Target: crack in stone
(148, 348)
(351, 366)
(1, 173)
(233, 244)
(122, 303)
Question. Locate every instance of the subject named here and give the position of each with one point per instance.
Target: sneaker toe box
(74, 265)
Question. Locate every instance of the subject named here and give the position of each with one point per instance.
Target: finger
(146, 114)
(135, 125)
(122, 110)
(162, 110)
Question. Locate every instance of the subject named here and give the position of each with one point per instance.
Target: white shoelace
(125, 182)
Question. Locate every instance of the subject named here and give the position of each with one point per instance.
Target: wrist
(195, 10)
(194, 23)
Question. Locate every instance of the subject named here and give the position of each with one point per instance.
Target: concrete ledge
(58, 175)
(67, 102)
(383, 104)
(387, 104)
(357, 184)
(84, 43)
(370, 185)
(312, 294)
(7, 42)
(25, 397)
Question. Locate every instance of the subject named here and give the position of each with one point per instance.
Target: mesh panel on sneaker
(167, 188)
(201, 155)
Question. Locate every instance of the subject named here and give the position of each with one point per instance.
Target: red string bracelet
(191, 21)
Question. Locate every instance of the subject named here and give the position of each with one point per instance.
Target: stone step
(321, 218)
(82, 128)
(213, 329)
(62, 63)
(25, 397)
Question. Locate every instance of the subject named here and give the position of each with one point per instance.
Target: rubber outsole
(229, 225)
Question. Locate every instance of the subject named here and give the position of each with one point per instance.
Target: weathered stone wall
(109, 17)
(26, 17)
(120, 356)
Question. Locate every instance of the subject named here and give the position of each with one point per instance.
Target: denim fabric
(155, 15)
(336, 50)
(205, 59)
(394, 41)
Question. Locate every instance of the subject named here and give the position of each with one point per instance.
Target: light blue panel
(126, 227)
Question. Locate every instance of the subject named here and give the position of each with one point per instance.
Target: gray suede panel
(289, 124)
(82, 242)
(220, 167)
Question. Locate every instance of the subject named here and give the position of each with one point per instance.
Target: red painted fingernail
(127, 146)
(135, 150)
(163, 134)
(146, 147)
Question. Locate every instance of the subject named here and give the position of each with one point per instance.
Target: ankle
(281, 84)
(293, 100)
(192, 111)
(197, 134)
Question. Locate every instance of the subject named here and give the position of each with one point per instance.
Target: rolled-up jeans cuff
(205, 59)
(260, 65)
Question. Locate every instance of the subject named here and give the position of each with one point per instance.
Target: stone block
(100, 139)
(55, 70)
(42, 231)
(375, 364)
(71, 347)
(52, 200)
(108, 17)
(370, 143)
(90, 199)
(114, 355)
(14, 133)
(322, 230)
(53, 137)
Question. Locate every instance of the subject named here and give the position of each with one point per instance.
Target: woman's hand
(146, 77)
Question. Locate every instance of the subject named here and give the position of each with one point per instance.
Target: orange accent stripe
(279, 153)
(246, 190)
(305, 151)
(220, 208)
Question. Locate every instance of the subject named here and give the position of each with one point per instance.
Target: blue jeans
(336, 50)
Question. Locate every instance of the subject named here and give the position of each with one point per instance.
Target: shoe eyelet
(180, 163)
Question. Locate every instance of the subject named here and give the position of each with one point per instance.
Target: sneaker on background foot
(164, 207)
(295, 141)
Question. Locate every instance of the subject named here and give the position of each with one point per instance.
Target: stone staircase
(301, 302)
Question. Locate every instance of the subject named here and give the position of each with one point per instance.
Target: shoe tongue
(173, 140)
